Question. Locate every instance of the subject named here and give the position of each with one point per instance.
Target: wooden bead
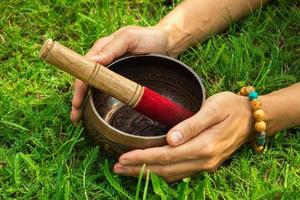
(259, 115)
(260, 126)
(258, 149)
(243, 91)
(249, 89)
(255, 104)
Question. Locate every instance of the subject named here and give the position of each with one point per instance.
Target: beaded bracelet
(259, 115)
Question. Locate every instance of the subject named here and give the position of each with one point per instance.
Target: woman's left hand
(202, 142)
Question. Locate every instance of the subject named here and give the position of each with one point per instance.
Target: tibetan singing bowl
(116, 127)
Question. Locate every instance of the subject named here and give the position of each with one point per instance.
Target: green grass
(42, 156)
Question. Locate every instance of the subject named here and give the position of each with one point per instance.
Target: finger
(119, 169)
(179, 170)
(80, 90)
(121, 42)
(208, 116)
(75, 115)
(199, 147)
(97, 47)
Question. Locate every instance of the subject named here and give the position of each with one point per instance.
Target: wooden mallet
(140, 98)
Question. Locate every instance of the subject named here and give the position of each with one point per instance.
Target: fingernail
(176, 137)
(119, 170)
(95, 58)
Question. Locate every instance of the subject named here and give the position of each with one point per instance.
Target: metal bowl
(118, 128)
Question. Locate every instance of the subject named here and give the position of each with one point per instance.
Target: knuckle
(191, 128)
(211, 165)
(130, 171)
(110, 52)
(127, 30)
(214, 108)
(166, 172)
(208, 150)
(139, 158)
(163, 158)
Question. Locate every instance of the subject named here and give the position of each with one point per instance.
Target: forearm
(195, 20)
(282, 109)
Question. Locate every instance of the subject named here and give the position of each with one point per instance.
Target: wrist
(275, 120)
(171, 31)
(178, 38)
(279, 110)
(248, 117)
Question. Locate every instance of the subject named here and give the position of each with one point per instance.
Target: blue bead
(253, 95)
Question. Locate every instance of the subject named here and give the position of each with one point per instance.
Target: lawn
(43, 156)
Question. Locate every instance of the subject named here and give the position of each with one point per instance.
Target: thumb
(193, 126)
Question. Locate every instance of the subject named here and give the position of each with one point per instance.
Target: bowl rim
(145, 55)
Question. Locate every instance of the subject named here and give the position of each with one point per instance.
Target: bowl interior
(164, 75)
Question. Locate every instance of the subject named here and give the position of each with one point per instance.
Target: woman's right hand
(131, 39)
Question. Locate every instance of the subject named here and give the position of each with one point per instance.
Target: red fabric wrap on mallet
(163, 110)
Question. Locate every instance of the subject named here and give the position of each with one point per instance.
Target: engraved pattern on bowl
(117, 127)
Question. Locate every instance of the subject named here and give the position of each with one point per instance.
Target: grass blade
(113, 182)
(139, 182)
(156, 186)
(15, 125)
(146, 185)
